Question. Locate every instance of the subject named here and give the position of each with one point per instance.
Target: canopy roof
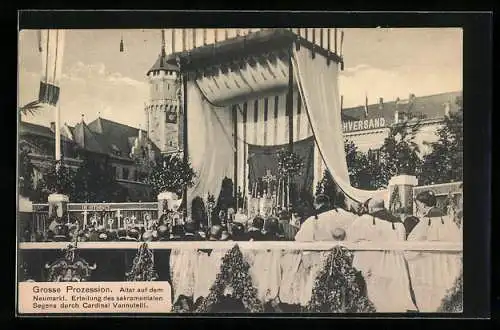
(241, 47)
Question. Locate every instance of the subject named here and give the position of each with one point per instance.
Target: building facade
(120, 145)
(368, 126)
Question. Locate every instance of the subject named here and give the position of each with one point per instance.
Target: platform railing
(453, 247)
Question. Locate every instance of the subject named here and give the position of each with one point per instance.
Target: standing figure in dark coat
(255, 231)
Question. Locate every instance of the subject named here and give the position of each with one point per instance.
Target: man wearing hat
(322, 225)
(385, 272)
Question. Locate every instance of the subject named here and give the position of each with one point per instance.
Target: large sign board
(365, 124)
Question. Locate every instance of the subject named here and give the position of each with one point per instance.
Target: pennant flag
(52, 44)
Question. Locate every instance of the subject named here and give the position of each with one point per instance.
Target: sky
(98, 79)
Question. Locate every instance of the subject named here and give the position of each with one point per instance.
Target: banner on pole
(52, 47)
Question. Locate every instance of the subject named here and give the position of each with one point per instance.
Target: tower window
(125, 173)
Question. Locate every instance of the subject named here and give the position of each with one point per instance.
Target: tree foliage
(56, 178)
(364, 168)
(95, 182)
(171, 173)
(400, 153)
(445, 162)
(25, 173)
(92, 182)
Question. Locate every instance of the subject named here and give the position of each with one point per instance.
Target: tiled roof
(88, 139)
(100, 136)
(37, 130)
(115, 136)
(43, 139)
(431, 107)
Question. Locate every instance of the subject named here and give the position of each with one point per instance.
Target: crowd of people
(321, 221)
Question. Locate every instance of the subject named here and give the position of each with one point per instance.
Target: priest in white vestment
(433, 273)
(321, 226)
(385, 272)
(301, 268)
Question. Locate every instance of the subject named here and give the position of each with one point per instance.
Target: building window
(125, 173)
(114, 172)
(136, 175)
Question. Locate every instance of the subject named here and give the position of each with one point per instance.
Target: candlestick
(288, 193)
(283, 193)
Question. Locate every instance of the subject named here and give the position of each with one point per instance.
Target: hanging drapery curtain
(257, 76)
(318, 85)
(262, 159)
(210, 143)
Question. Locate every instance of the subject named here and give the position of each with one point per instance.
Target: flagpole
(58, 133)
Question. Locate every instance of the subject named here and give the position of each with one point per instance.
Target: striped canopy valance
(255, 76)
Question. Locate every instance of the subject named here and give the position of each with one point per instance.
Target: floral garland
(453, 301)
(289, 164)
(234, 272)
(339, 287)
(142, 266)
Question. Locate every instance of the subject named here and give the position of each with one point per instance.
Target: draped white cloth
(210, 144)
(385, 272)
(265, 270)
(208, 267)
(246, 82)
(298, 272)
(318, 85)
(433, 273)
(183, 272)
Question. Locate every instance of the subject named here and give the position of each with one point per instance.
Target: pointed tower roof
(162, 61)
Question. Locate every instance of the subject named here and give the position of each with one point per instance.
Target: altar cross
(268, 178)
(119, 216)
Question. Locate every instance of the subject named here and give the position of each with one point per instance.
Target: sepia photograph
(246, 170)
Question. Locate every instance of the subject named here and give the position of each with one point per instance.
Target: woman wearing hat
(432, 273)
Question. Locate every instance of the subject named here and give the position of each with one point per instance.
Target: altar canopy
(318, 84)
(248, 101)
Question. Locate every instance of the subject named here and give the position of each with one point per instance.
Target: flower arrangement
(142, 266)
(171, 174)
(339, 287)
(289, 164)
(234, 273)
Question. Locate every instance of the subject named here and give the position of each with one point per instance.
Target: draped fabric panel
(318, 85)
(261, 159)
(256, 76)
(210, 145)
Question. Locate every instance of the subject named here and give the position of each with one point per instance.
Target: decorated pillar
(400, 194)
(58, 205)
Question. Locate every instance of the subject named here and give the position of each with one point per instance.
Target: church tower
(163, 111)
